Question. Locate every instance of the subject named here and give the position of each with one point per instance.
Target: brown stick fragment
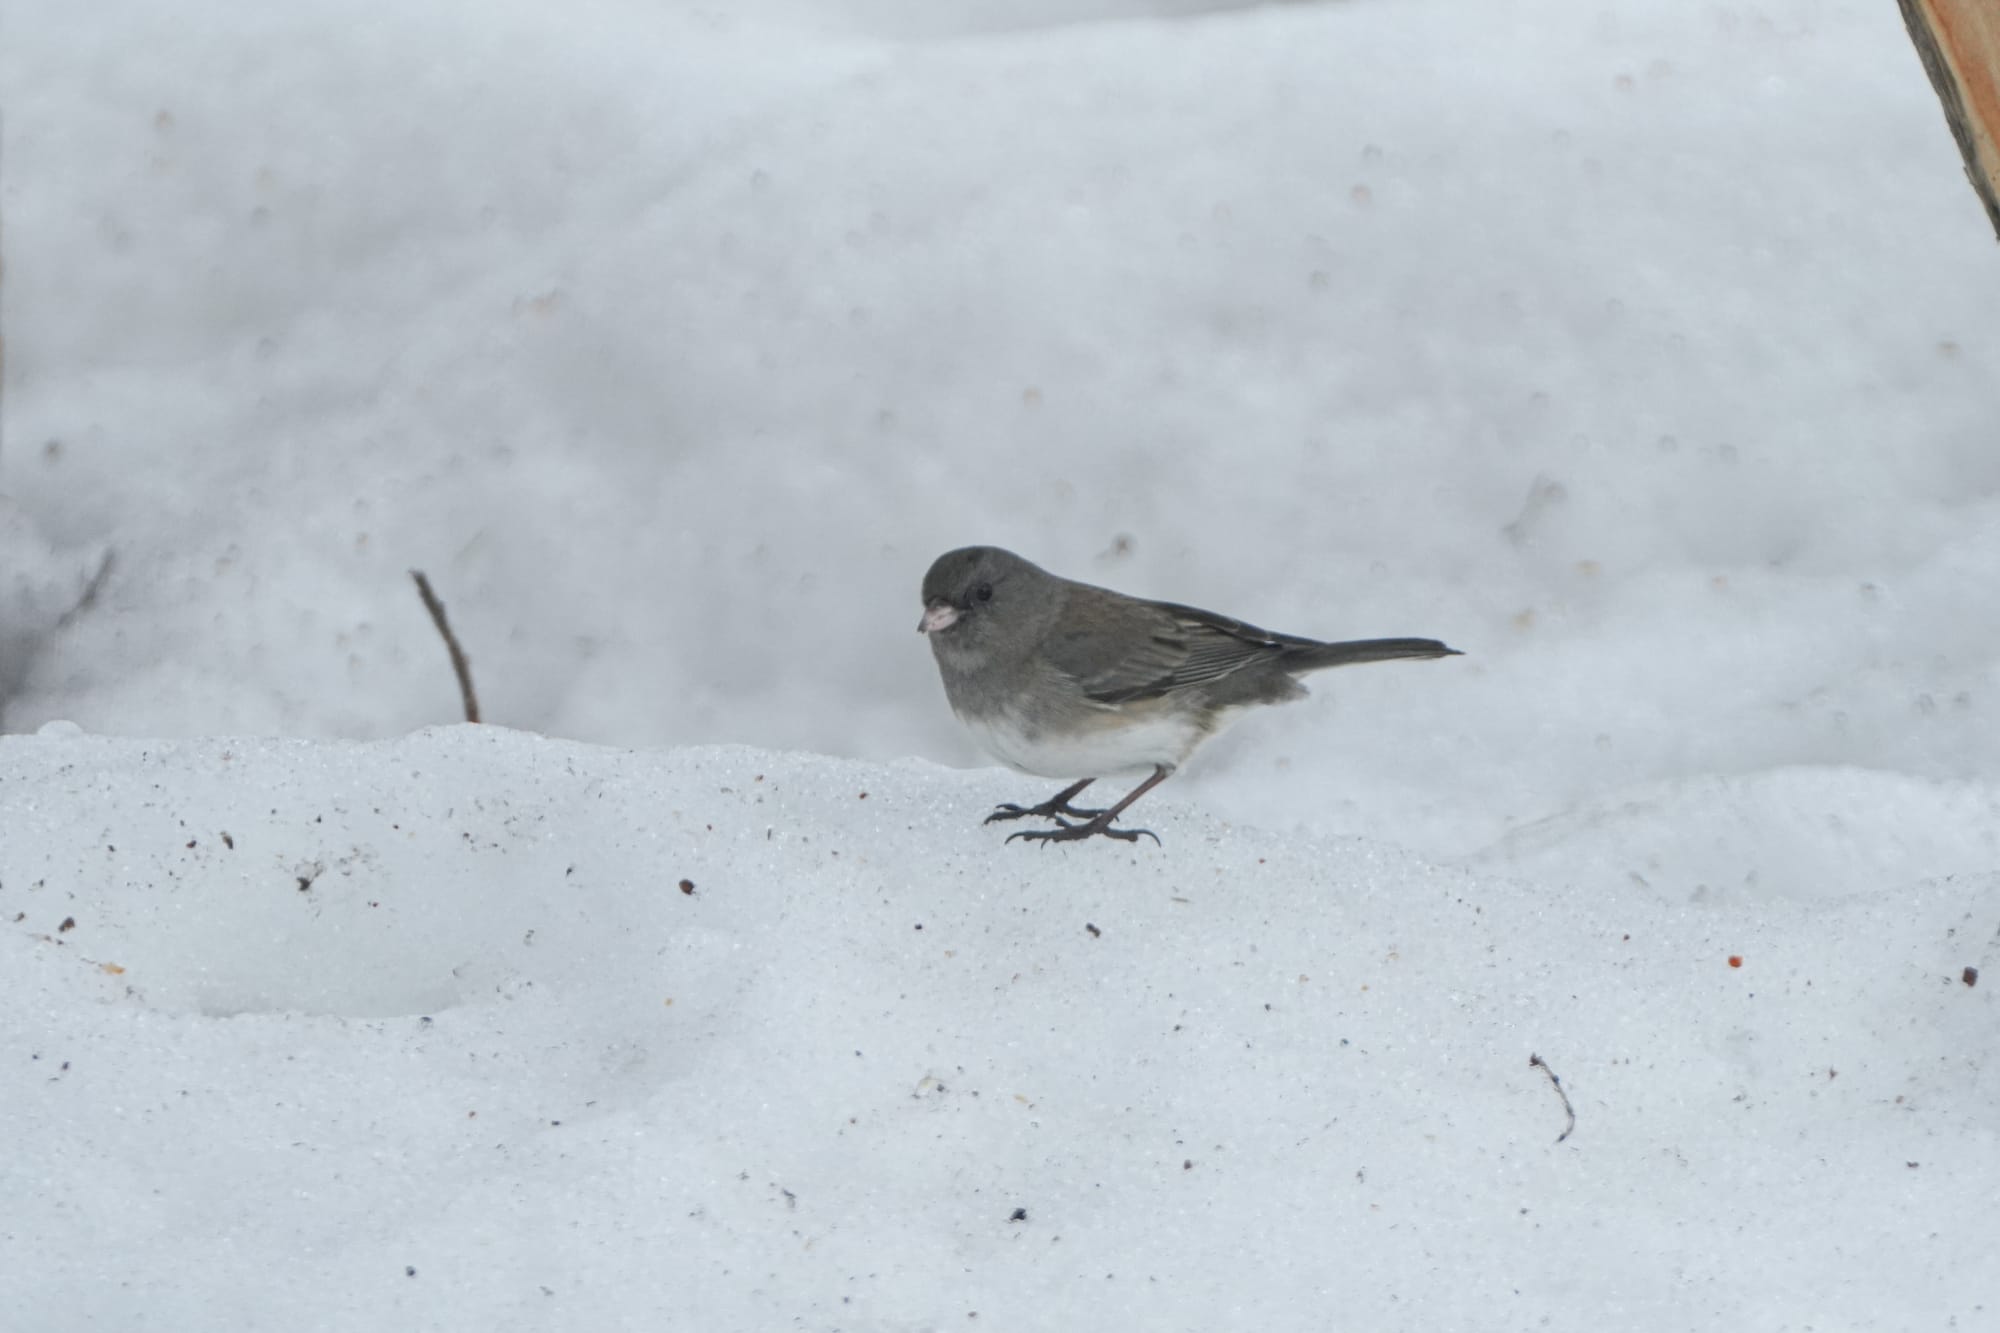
(459, 664)
(1959, 43)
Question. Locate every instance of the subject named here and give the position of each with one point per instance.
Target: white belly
(1102, 750)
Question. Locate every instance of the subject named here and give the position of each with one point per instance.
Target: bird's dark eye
(984, 592)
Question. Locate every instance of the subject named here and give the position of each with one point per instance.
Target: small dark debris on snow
(228, 841)
(1970, 976)
(1018, 1215)
(1095, 933)
(687, 886)
(1536, 1062)
(69, 923)
(409, 1270)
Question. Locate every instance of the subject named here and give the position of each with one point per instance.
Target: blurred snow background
(1642, 352)
(1647, 353)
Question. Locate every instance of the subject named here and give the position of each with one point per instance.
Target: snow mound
(479, 1030)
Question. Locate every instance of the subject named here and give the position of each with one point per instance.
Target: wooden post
(1959, 42)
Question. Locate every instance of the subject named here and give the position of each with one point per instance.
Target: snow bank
(431, 1033)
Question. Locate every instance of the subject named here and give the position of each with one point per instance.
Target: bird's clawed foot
(1093, 823)
(1053, 808)
(1100, 827)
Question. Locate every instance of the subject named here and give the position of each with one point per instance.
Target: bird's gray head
(977, 596)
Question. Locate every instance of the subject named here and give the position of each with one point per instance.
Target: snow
(329, 1012)
(1645, 353)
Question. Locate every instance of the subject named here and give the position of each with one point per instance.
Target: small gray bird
(1064, 680)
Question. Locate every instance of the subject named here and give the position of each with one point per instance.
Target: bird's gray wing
(1124, 649)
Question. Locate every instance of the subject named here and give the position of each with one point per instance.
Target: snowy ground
(428, 1034)
(1647, 353)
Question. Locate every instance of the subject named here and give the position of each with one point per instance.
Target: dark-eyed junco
(1065, 680)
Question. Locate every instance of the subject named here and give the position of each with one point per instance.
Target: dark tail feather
(1322, 655)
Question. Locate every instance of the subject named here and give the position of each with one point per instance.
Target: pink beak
(937, 616)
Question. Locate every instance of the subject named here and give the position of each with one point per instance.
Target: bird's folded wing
(1141, 650)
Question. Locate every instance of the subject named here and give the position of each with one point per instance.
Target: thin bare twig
(459, 664)
(88, 597)
(1536, 1062)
